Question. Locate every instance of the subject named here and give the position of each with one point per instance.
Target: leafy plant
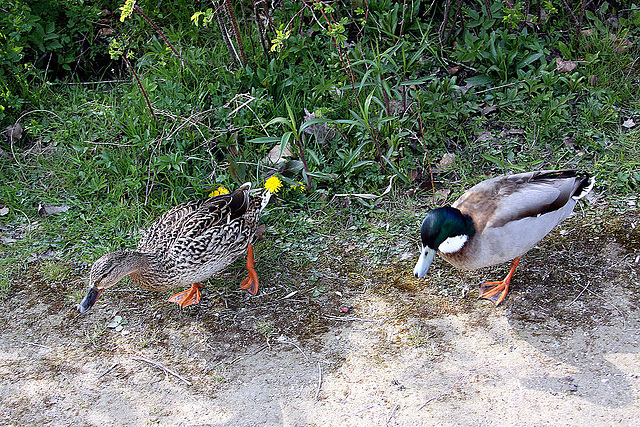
(501, 56)
(396, 89)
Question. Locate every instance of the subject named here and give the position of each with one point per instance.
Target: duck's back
(189, 219)
(511, 214)
(199, 238)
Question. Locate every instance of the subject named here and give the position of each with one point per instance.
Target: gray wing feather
(499, 201)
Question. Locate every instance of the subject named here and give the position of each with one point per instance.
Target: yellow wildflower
(273, 184)
(281, 36)
(221, 190)
(127, 9)
(298, 186)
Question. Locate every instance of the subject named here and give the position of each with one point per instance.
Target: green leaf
(278, 120)
(265, 140)
(313, 122)
(531, 58)
(564, 50)
(415, 82)
(493, 159)
(480, 80)
(323, 176)
(284, 141)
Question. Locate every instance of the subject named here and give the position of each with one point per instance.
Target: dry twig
(37, 345)
(108, 370)
(241, 357)
(319, 381)
(393, 413)
(163, 368)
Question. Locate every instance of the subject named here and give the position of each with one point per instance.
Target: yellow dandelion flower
(298, 186)
(221, 190)
(273, 184)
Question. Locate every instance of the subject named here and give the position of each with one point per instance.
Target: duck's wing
(190, 220)
(499, 201)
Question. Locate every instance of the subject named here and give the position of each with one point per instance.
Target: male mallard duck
(499, 220)
(186, 245)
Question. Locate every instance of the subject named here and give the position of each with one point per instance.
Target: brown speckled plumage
(187, 244)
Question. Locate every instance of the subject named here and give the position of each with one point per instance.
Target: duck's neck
(128, 263)
(144, 269)
(135, 259)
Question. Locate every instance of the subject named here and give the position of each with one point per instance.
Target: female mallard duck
(186, 245)
(499, 220)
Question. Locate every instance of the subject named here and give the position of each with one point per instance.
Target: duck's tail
(584, 187)
(266, 195)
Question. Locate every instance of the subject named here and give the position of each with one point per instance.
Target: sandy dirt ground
(369, 347)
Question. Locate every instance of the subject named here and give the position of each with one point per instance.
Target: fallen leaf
(447, 160)
(454, 70)
(4, 211)
(622, 44)
(629, 123)
(565, 66)
(568, 142)
(51, 210)
(106, 31)
(489, 109)
(277, 155)
(13, 133)
(623, 47)
(464, 89)
(36, 256)
(259, 234)
(484, 136)
(321, 131)
(593, 80)
(444, 193)
(7, 240)
(117, 321)
(412, 174)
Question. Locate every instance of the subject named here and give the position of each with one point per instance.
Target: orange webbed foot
(251, 282)
(187, 297)
(494, 291)
(497, 291)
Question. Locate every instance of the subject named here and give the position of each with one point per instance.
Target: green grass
(387, 96)
(6, 276)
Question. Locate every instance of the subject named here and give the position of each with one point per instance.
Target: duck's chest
(158, 280)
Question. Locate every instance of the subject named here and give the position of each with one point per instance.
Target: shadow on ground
(578, 301)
